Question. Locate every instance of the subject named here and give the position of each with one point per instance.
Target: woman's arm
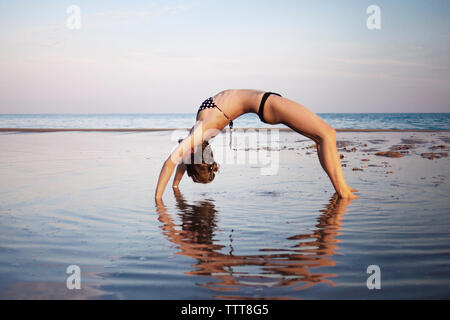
(187, 145)
(164, 177)
(181, 168)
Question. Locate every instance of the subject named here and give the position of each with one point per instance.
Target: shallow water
(86, 199)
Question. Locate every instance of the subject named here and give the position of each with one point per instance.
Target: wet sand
(86, 198)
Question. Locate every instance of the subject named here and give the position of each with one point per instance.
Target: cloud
(125, 17)
(49, 36)
(121, 15)
(371, 62)
(169, 10)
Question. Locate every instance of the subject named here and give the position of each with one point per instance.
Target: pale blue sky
(168, 56)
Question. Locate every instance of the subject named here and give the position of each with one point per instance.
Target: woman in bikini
(217, 112)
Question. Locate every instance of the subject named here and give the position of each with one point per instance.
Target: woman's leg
(329, 159)
(307, 123)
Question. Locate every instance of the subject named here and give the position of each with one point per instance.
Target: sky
(169, 56)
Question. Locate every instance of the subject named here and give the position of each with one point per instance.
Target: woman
(217, 112)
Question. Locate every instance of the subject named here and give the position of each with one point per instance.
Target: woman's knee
(328, 133)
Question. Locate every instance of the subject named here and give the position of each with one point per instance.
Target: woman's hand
(348, 194)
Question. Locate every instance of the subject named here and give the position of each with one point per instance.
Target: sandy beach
(86, 199)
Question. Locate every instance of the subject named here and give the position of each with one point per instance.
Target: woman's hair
(202, 172)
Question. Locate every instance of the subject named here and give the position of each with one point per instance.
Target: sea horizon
(372, 121)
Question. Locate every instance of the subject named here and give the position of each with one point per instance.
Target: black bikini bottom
(261, 106)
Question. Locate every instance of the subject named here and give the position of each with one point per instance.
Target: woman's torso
(233, 103)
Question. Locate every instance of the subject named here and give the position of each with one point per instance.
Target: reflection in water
(291, 266)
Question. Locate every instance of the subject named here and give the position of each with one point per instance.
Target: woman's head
(203, 172)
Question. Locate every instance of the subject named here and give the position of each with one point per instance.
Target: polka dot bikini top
(209, 103)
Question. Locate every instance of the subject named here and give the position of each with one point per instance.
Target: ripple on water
(244, 236)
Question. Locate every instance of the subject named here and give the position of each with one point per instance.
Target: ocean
(421, 121)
